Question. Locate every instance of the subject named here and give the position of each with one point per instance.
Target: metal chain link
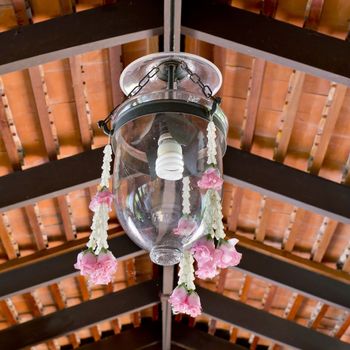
(195, 78)
(144, 81)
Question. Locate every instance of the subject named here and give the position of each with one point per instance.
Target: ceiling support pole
(168, 280)
(172, 25)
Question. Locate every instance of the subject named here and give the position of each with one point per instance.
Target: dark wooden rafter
(265, 324)
(263, 37)
(85, 314)
(63, 37)
(23, 275)
(313, 12)
(259, 174)
(308, 277)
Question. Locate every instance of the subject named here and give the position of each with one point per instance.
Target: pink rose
(98, 269)
(185, 226)
(226, 254)
(185, 302)
(211, 179)
(101, 197)
(203, 250)
(207, 270)
(194, 307)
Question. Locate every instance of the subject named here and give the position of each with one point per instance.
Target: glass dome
(160, 146)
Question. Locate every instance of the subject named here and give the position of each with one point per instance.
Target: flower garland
(212, 251)
(186, 225)
(184, 299)
(97, 263)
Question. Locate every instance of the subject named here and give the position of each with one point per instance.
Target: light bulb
(169, 163)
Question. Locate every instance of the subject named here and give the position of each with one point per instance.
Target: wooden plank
(291, 232)
(65, 212)
(62, 37)
(326, 126)
(323, 239)
(317, 315)
(344, 327)
(30, 186)
(253, 100)
(50, 141)
(115, 69)
(49, 268)
(275, 41)
(85, 314)
(289, 112)
(288, 184)
(265, 324)
(83, 111)
(263, 219)
(259, 174)
(11, 147)
(235, 206)
(36, 228)
(10, 248)
(313, 14)
(307, 277)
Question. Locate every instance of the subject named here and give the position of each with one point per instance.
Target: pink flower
(185, 226)
(207, 270)
(203, 250)
(211, 179)
(99, 269)
(226, 254)
(101, 197)
(185, 302)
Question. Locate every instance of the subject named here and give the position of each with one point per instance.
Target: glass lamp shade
(149, 206)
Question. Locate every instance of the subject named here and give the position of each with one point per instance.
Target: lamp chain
(195, 78)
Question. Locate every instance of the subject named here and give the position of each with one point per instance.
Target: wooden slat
(43, 112)
(7, 137)
(85, 314)
(291, 232)
(85, 293)
(36, 228)
(232, 28)
(130, 277)
(313, 14)
(235, 206)
(22, 9)
(115, 68)
(8, 310)
(325, 128)
(84, 120)
(29, 272)
(316, 317)
(65, 212)
(265, 324)
(269, 7)
(343, 328)
(61, 304)
(288, 115)
(62, 37)
(323, 239)
(263, 219)
(219, 289)
(11, 249)
(253, 100)
(267, 303)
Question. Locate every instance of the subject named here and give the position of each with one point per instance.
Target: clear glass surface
(149, 208)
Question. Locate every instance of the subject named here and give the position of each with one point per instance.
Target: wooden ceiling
(50, 111)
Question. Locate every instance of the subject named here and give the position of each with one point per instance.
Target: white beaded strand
(186, 271)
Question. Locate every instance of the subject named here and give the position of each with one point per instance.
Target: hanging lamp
(159, 138)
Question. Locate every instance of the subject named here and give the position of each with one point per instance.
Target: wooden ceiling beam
(265, 324)
(115, 69)
(287, 184)
(313, 12)
(256, 173)
(64, 321)
(63, 37)
(49, 267)
(260, 36)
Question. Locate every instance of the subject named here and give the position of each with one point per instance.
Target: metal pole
(172, 25)
(168, 280)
